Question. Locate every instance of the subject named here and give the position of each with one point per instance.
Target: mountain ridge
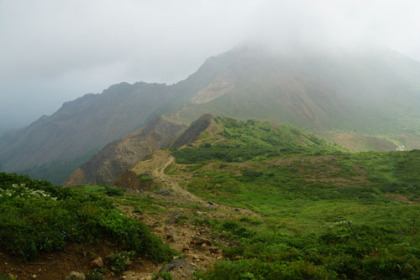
(372, 94)
(105, 166)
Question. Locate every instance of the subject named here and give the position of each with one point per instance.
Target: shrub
(96, 274)
(255, 269)
(165, 275)
(36, 217)
(118, 262)
(237, 230)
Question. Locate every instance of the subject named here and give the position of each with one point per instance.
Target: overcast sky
(52, 51)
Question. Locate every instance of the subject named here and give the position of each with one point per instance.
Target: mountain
(108, 164)
(375, 94)
(114, 159)
(371, 92)
(54, 146)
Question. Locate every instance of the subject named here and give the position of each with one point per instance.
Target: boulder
(97, 263)
(75, 275)
(180, 269)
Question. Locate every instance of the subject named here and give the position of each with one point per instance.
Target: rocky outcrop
(75, 275)
(113, 160)
(180, 269)
(193, 131)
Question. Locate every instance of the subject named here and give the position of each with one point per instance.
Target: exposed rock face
(193, 131)
(111, 165)
(128, 179)
(113, 160)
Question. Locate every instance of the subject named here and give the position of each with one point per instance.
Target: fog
(52, 51)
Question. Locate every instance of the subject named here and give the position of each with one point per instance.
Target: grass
(322, 215)
(251, 140)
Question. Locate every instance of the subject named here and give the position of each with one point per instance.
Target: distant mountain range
(362, 100)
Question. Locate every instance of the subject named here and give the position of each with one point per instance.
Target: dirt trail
(156, 166)
(159, 174)
(194, 241)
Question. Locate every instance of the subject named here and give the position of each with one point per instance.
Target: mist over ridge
(57, 51)
(366, 93)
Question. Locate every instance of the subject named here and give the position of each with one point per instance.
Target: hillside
(320, 215)
(374, 94)
(113, 160)
(335, 216)
(108, 164)
(235, 200)
(365, 91)
(231, 140)
(53, 146)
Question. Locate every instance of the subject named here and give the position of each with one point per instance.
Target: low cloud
(56, 50)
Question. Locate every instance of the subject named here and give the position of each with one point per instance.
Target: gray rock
(75, 275)
(180, 269)
(172, 236)
(164, 192)
(172, 219)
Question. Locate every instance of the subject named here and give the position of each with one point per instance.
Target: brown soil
(55, 265)
(400, 198)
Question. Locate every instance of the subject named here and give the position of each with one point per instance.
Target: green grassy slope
(239, 141)
(320, 212)
(321, 216)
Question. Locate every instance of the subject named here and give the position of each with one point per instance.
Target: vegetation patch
(251, 140)
(341, 216)
(37, 217)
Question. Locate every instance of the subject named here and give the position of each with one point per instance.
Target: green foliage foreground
(342, 251)
(36, 217)
(323, 213)
(313, 229)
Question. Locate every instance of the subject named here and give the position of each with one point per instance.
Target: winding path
(157, 164)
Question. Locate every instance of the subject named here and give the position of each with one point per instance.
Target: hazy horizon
(54, 51)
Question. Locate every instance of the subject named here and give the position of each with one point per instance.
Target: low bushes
(343, 251)
(36, 217)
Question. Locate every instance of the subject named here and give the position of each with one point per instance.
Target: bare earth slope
(106, 166)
